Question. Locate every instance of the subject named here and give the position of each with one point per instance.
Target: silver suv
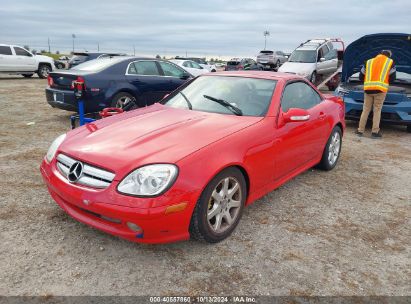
(313, 58)
(271, 59)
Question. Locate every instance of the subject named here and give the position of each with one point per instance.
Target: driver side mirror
(295, 115)
(322, 59)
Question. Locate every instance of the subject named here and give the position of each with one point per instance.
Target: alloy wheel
(224, 205)
(122, 101)
(334, 148)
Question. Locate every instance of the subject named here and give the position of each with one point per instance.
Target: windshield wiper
(232, 108)
(190, 106)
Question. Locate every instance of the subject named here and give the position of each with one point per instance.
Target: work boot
(358, 133)
(376, 135)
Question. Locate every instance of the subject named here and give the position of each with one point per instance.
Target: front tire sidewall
(313, 77)
(118, 96)
(199, 227)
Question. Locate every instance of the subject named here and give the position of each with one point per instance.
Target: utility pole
(134, 50)
(186, 54)
(48, 42)
(73, 36)
(266, 33)
(98, 47)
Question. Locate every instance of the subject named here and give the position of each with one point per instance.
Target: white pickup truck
(17, 60)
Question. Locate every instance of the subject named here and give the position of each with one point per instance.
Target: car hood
(45, 58)
(297, 67)
(370, 46)
(150, 135)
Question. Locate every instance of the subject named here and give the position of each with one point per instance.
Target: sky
(207, 28)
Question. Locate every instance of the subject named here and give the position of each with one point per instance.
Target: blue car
(114, 82)
(397, 105)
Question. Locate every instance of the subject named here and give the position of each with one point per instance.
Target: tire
(331, 155)
(409, 128)
(59, 66)
(121, 99)
(331, 87)
(43, 71)
(205, 228)
(313, 77)
(27, 75)
(277, 65)
(213, 71)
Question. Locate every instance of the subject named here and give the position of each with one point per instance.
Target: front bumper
(96, 208)
(399, 113)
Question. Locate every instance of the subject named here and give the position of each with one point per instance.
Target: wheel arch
(44, 63)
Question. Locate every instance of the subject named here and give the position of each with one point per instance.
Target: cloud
(211, 28)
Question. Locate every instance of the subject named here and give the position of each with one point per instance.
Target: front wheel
(220, 207)
(43, 71)
(332, 150)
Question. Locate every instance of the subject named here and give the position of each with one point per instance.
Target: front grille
(90, 176)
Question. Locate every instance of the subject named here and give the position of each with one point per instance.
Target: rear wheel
(277, 64)
(43, 71)
(220, 207)
(332, 150)
(409, 128)
(27, 75)
(123, 100)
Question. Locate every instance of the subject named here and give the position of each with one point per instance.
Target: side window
(132, 69)
(195, 65)
(5, 50)
(324, 50)
(21, 52)
(187, 64)
(331, 55)
(172, 70)
(299, 95)
(148, 68)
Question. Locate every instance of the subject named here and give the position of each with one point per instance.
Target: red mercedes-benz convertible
(188, 166)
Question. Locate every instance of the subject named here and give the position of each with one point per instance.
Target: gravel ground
(344, 232)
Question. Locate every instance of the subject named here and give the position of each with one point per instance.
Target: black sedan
(114, 82)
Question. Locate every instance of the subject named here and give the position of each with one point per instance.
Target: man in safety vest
(377, 74)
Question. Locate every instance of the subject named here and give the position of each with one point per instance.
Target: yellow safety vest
(377, 73)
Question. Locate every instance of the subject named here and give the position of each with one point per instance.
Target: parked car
(202, 62)
(311, 59)
(238, 64)
(188, 166)
(81, 57)
(190, 66)
(17, 60)
(271, 59)
(114, 82)
(397, 104)
(62, 62)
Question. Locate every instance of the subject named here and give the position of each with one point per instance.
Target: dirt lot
(344, 232)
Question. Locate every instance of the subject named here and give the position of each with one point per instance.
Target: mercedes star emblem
(75, 172)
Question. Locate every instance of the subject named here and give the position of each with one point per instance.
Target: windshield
(212, 93)
(303, 56)
(96, 64)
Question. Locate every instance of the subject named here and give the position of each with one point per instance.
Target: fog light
(133, 226)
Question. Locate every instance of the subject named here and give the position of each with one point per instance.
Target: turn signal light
(176, 208)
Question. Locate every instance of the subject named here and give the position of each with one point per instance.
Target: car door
(321, 65)
(25, 60)
(145, 76)
(297, 143)
(332, 60)
(175, 75)
(6, 59)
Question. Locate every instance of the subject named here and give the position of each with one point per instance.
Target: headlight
(54, 146)
(149, 180)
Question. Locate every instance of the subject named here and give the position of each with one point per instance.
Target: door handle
(322, 116)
